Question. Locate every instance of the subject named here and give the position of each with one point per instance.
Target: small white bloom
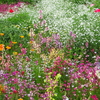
(98, 73)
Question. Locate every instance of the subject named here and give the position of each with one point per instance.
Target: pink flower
(35, 26)
(86, 44)
(23, 50)
(91, 5)
(72, 35)
(15, 72)
(67, 89)
(40, 17)
(46, 29)
(94, 97)
(40, 11)
(97, 10)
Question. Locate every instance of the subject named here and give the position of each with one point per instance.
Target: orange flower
(21, 36)
(0, 57)
(1, 47)
(1, 87)
(20, 99)
(32, 50)
(1, 34)
(8, 47)
(14, 42)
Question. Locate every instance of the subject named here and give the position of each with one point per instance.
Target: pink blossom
(40, 11)
(23, 50)
(86, 44)
(46, 29)
(97, 10)
(91, 5)
(35, 26)
(94, 97)
(40, 17)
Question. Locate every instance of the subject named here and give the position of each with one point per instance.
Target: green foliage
(14, 26)
(19, 18)
(15, 1)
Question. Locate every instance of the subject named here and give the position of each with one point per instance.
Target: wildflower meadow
(50, 50)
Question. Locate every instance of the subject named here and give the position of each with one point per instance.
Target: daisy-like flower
(20, 99)
(8, 47)
(21, 36)
(32, 50)
(15, 53)
(14, 42)
(1, 34)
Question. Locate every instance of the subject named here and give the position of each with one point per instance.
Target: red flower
(11, 11)
(97, 10)
(3, 91)
(15, 91)
(22, 72)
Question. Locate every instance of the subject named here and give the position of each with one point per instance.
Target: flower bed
(37, 64)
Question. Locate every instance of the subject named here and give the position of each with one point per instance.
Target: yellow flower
(1, 34)
(8, 47)
(32, 49)
(55, 53)
(31, 42)
(15, 53)
(20, 99)
(14, 42)
(21, 36)
(17, 26)
(58, 76)
(1, 47)
(1, 87)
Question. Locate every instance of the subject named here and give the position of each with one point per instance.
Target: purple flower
(56, 36)
(44, 40)
(72, 35)
(6, 75)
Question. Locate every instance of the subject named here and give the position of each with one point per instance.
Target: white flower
(98, 73)
(67, 98)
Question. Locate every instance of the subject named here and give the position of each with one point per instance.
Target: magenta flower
(97, 10)
(94, 97)
(15, 72)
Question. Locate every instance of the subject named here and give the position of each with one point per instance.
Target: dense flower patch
(40, 66)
